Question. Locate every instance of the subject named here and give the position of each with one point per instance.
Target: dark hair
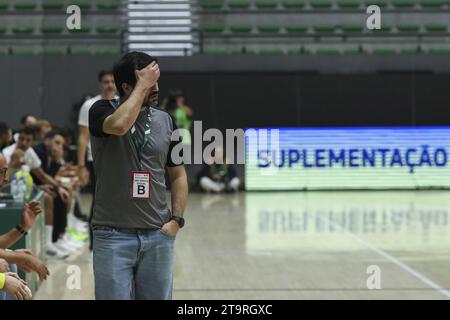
(23, 120)
(103, 73)
(28, 131)
(52, 134)
(125, 67)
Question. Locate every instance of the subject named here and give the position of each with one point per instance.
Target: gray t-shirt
(115, 157)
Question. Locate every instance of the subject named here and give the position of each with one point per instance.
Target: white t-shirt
(30, 157)
(83, 119)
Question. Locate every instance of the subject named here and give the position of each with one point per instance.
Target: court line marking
(299, 289)
(392, 259)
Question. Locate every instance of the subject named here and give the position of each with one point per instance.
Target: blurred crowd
(40, 152)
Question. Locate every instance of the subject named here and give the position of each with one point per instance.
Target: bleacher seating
(321, 28)
(36, 27)
(238, 27)
(306, 26)
(317, 4)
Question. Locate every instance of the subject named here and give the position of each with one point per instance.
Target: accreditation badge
(140, 184)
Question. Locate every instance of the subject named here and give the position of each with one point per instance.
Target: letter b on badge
(141, 185)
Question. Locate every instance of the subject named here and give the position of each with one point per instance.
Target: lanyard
(134, 135)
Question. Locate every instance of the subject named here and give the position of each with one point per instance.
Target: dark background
(48, 87)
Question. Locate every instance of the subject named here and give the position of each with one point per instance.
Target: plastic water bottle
(15, 188)
(22, 186)
(24, 174)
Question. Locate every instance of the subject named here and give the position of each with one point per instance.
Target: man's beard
(151, 100)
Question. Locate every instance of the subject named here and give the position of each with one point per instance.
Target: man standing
(134, 230)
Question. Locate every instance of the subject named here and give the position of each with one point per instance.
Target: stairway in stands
(161, 27)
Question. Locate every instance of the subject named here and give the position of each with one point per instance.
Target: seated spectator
(51, 155)
(46, 182)
(217, 175)
(10, 282)
(27, 120)
(25, 142)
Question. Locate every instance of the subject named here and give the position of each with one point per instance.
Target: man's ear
(127, 88)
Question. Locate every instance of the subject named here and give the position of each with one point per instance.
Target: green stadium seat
(266, 4)
(408, 50)
(321, 4)
(293, 4)
(214, 28)
(242, 51)
(325, 28)
(353, 4)
(53, 52)
(23, 30)
(214, 52)
(384, 28)
(241, 29)
(296, 28)
(439, 50)
(4, 6)
(52, 5)
(25, 5)
(2, 52)
(408, 27)
(268, 28)
(111, 5)
(52, 29)
(80, 52)
(107, 29)
(436, 27)
(352, 28)
(82, 30)
(383, 51)
(239, 4)
(83, 4)
(270, 52)
(3, 29)
(298, 51)
(403, 3)
(22, 52)
(432, 3)
(107, 52)
(327, 51)
(294, 51)
(351, 51)
(208, 4)
(380, 3)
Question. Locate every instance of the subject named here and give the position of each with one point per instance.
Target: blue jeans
(132, 264)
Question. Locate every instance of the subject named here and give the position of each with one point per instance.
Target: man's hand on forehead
(148, 76)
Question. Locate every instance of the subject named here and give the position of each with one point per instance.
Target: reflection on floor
(315, 245)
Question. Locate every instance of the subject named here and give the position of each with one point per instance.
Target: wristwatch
(179, 220)
(21, 230)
